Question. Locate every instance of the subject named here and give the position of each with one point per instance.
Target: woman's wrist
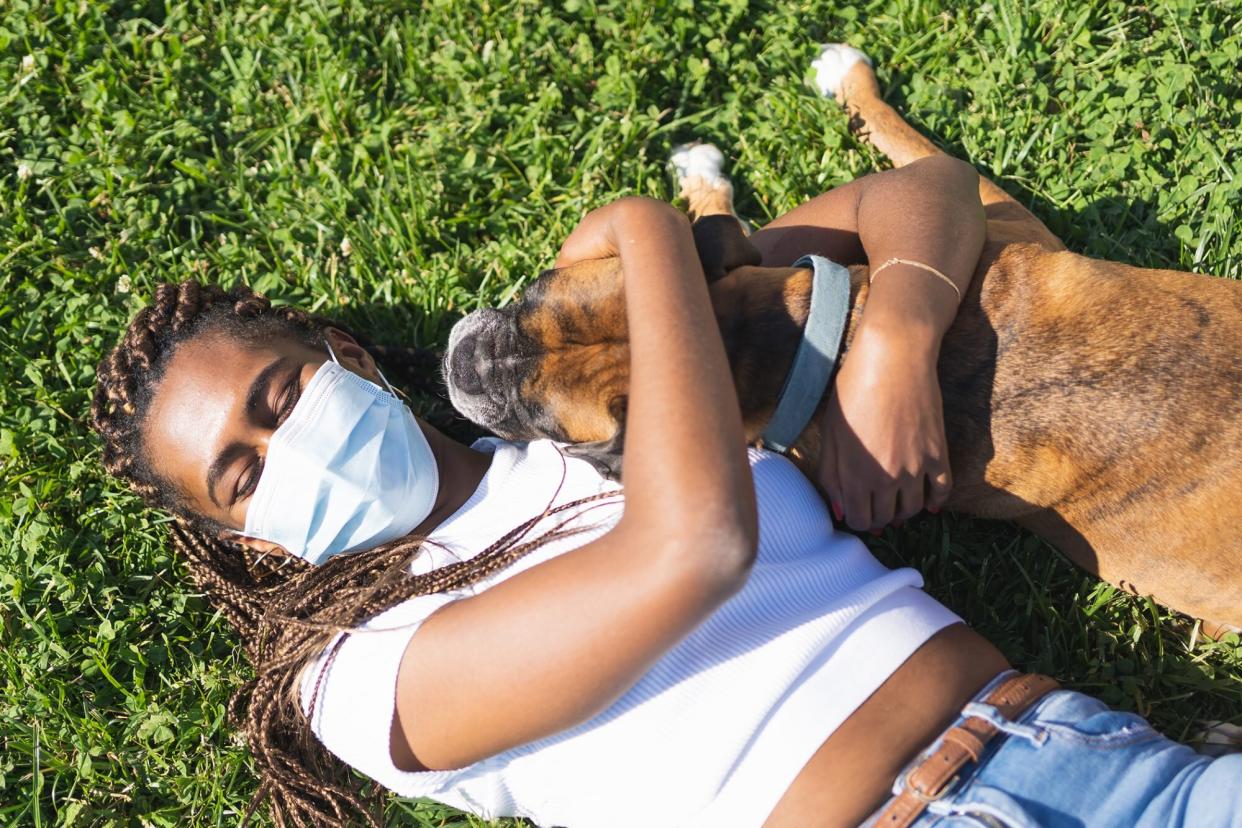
(900, 336)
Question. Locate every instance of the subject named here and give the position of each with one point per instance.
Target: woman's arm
(579, 629)
(884, 453)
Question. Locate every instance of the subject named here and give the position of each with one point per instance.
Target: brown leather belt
(931, 778)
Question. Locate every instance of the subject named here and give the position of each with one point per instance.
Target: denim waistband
(997, 680)
(965, 711)
(1068, 760)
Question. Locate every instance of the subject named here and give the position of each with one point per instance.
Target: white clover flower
(122, 284)
(346, 247)
(96, 254)
(24, 171)
(27, 72)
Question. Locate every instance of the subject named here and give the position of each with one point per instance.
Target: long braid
(287, 611)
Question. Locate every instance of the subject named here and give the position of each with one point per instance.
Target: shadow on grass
(417, 371)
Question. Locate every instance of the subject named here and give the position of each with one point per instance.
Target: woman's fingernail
(836, 511)
(934, 510)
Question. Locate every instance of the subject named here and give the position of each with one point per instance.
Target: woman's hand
(884, 455)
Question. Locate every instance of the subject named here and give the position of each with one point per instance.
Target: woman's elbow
(727, 547)
(953, 177)
(742, 550)
(949, 169)
(715, 555)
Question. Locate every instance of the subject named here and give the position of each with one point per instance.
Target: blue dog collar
(817, 353)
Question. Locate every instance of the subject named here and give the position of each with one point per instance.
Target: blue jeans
(1070, 761)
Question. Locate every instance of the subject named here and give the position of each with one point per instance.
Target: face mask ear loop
(331, 352)
(387, 384)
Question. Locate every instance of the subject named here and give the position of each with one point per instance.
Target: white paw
(830, 67)
(1219, 739)
(702, 160)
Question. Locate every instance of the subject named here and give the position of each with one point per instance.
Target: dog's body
(1097, 404)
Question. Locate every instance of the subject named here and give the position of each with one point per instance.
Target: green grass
(455, 144)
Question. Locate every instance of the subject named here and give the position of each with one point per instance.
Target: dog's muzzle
(480, 368)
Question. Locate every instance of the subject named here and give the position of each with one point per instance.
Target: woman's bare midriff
(852, 772)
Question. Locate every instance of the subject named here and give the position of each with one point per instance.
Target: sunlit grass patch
(399, 164)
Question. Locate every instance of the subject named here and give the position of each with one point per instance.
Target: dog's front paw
(1219, 739)
(831, 66)
(700, 180)
(703, 161)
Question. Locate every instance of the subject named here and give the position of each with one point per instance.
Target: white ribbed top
(717, 730)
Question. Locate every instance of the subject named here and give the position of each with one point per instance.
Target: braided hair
(286, 611)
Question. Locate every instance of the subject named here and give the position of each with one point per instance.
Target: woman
(497, 628)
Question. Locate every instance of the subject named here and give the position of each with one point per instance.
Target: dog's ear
(722, 245)
(604, 455)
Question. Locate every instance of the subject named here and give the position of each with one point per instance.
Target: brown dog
(1095, 403)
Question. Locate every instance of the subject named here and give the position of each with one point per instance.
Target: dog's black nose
(472, 351)
(464, 373)
(477, 366)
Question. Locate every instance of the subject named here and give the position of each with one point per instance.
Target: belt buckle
(939, 793)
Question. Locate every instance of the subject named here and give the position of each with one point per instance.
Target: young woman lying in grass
(499, 628)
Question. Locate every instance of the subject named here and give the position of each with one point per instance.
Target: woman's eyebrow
(223, 460)
(261, 382)
(258, 387)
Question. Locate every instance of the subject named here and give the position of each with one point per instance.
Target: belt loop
(1035, 735)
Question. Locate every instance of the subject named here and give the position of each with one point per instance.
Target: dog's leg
(708, 191)
(845, 73)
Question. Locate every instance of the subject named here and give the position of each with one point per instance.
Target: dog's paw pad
(830, 67)
(1219, 739)
(702, 160)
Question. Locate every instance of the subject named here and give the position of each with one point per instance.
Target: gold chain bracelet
(921, 266)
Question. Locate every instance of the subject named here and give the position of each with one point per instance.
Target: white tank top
(717, 730)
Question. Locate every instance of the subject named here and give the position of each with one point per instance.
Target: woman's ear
(352, 355)
(256, 544)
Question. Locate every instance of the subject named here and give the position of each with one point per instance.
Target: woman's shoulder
(524, 480)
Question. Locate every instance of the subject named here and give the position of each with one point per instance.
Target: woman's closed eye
(289, 395)
(248, 478)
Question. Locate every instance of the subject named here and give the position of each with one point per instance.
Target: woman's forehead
(216, 364)
(199, 405)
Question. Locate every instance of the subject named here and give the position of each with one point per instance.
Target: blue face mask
(348, 469)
